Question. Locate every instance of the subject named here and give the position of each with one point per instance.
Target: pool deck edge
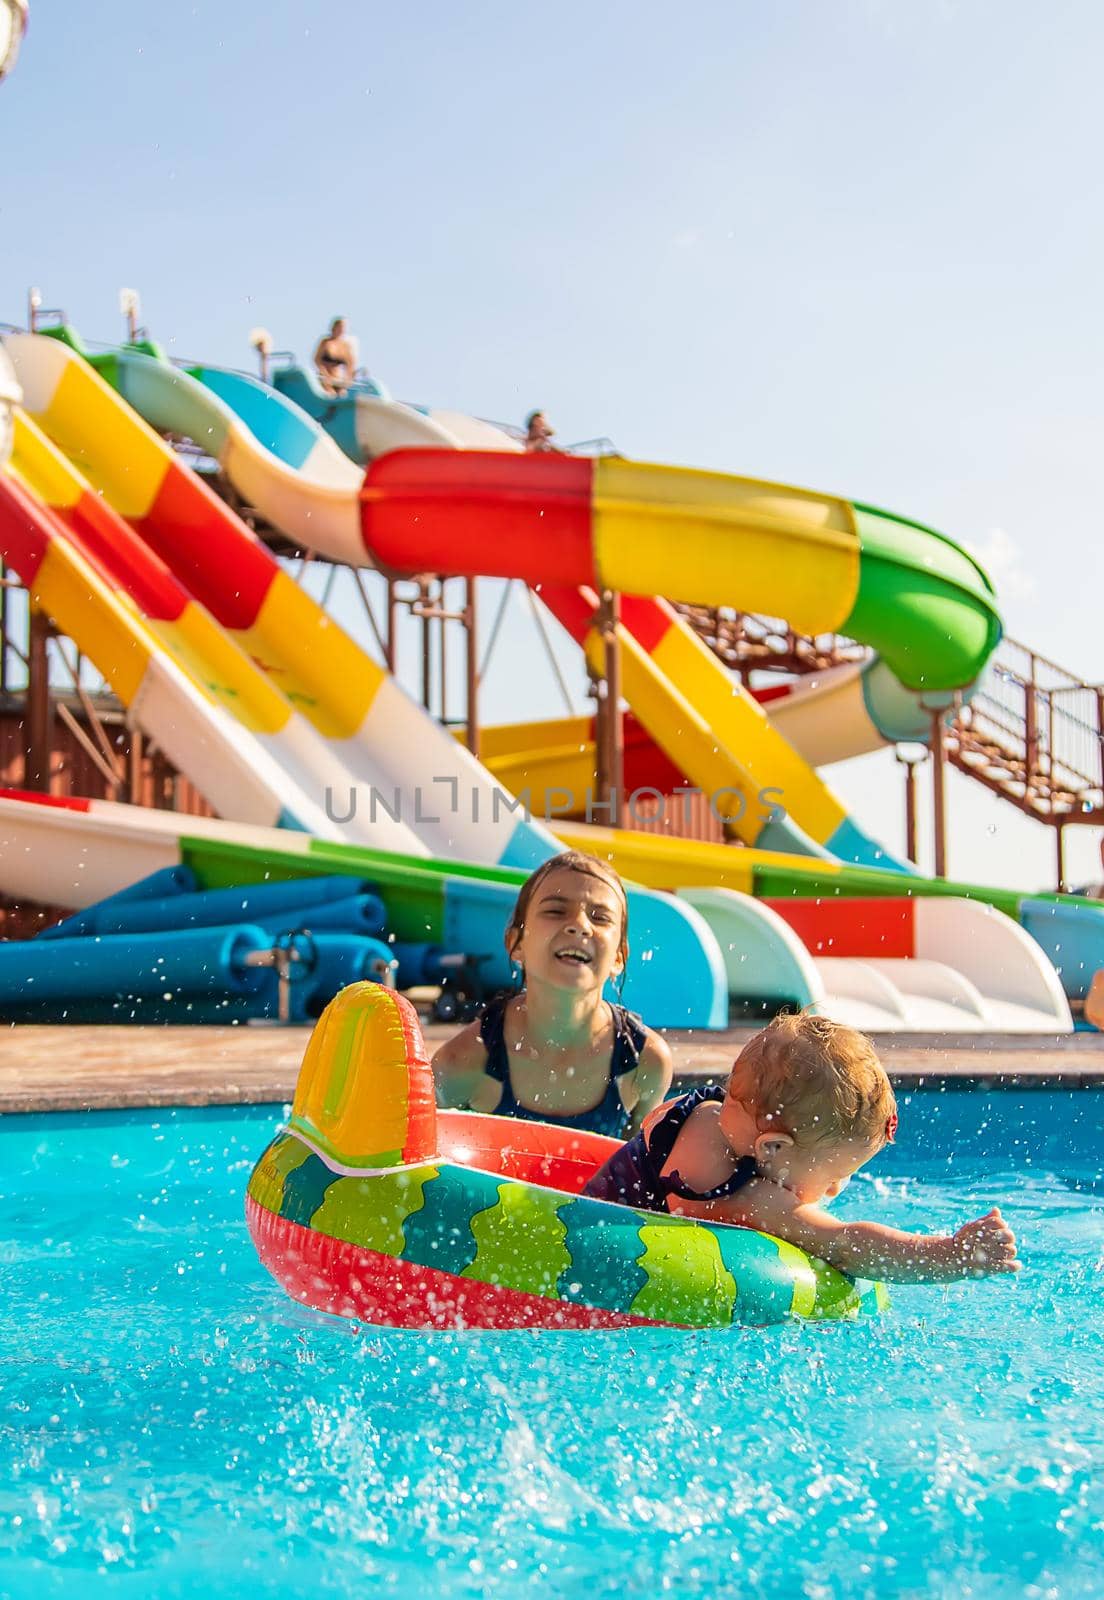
(74, 1068)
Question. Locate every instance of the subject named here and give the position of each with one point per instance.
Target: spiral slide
(198, 588)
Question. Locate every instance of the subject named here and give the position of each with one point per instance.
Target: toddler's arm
(979, 1249)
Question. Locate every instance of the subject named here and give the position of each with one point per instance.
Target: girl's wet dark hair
(569, 861)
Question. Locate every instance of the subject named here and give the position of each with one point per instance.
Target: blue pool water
(172, 1425)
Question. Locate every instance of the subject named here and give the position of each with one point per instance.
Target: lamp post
(13, 25)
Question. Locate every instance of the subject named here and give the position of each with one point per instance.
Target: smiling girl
(558, 1051)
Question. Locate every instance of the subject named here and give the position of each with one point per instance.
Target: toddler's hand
(987, 1246)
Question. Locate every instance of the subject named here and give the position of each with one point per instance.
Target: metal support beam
(3, 629)
(471, 622)
(38, 718)
(611, 722)
(910, 764)
(442, 653)
(391, 648)
(423, 608)
(939, 793)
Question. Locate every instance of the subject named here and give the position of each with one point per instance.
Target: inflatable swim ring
(373, 1204)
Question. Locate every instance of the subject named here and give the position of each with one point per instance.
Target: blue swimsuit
(633, 1175)
(609, 1115)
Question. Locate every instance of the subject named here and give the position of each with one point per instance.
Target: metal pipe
(442, 650)
(1031, 730)
(424, 598)
(910, 810)
(392, 646)
(910, 764)
(557, 673)
(939, 795)
(612, 722)
(471, 616)
(496, 625)
(107, 771)
(3, 629)
(37, 717)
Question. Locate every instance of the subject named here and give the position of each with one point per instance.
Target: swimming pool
(172, 1425)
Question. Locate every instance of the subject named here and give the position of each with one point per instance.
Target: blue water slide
(275, 422)
(166, 882)
(254, 903)
(1072, 935)
(337, 414)
(207, 962)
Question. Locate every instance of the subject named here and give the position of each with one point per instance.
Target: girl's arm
(643, 1089)
(979, 1249)
(458, 1067)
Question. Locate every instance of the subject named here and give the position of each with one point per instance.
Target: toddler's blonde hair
(816, 1080)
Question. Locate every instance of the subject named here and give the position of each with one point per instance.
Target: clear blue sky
(853, 244)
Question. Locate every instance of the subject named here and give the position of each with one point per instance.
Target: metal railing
(1037, 732)
(746, 641)
(1032, 731)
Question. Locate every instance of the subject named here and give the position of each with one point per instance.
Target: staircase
(1032, 733)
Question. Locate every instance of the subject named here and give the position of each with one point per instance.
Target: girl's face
(572, 932)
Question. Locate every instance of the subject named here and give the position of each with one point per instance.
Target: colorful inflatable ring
(372, 1204)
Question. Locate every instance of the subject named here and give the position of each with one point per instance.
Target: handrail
(1038, 744)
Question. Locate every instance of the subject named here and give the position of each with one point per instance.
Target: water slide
(780, 971)
(887, 970)
(658, 645)
(286, 466)
(367, 422)
(282, 463)
(293, 474)
(854, 988)
(172, 556)
(826, 717)
(9, 399)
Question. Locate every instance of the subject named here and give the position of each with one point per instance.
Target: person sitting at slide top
(807, 1104)
(539, 433)
(557, 1051)
(334, 358)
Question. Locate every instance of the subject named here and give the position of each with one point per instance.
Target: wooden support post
(38, 718)
(939, 794)
(471, 622)
(1060, 857)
